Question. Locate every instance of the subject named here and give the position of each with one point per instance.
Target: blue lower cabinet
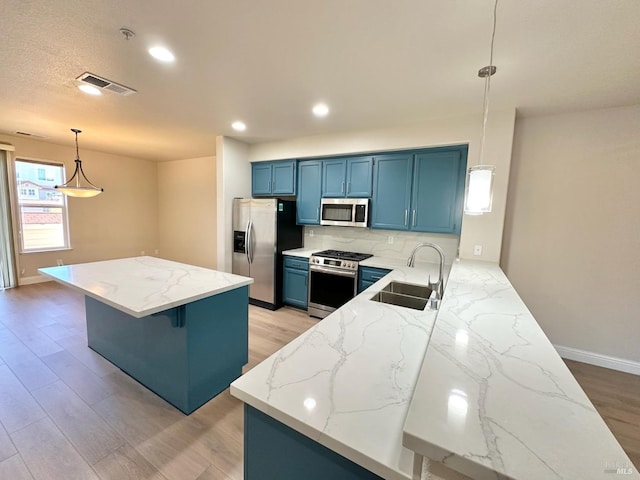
(367, 276)
(274, 451)
(295, 282)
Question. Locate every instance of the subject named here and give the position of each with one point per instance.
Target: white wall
(187, 211)
(572, 234)
(485, 230)
(233, 179)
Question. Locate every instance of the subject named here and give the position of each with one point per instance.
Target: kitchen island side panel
(218, 343)
(186, 355)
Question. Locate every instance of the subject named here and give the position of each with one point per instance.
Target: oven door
(329, 289)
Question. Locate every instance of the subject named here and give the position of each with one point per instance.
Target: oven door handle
(331, 271)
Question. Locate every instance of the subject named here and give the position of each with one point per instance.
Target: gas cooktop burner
(352, 256)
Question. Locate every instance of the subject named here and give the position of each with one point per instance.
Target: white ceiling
(375, 62)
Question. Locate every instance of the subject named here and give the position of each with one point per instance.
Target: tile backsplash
(376, 242)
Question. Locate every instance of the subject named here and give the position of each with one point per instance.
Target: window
(42, 209)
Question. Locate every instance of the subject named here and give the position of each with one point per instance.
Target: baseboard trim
(598, 359)
(34, 279)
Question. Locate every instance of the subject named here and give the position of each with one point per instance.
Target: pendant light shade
(479, 191)
(74, 187)
(479, 188)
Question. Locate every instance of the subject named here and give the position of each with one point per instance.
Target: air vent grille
(27, 134)
(105, 84)
(95, 81)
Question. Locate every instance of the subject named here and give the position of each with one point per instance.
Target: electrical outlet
(390, 239)
(311, 232)
(59, 262)
(477, 250)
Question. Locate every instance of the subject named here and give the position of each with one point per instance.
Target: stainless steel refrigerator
(262, 229)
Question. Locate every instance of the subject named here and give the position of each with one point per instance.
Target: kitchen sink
(407, 301)
(410, 289)
(404, 295)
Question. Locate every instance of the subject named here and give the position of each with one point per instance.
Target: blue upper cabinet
(438, 186)
(273, 178)
(261, 178)
(334, 174)
(359, 176)
(391, 191)
(347, 177)
(309, 192)
(420, 191)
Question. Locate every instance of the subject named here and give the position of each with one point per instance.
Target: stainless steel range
(333, 280)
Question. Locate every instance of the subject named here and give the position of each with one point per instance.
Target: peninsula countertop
(518, 413)
(142, 286)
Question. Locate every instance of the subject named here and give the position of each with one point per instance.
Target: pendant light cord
(487, 85)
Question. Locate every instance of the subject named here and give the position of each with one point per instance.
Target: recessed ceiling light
(320, 110)
(162, 54)
(90, 89)
(239, 126)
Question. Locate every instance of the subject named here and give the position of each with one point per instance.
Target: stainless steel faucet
(438, 286)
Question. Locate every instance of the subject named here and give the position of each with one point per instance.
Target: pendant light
(479, 190)
(75, 188)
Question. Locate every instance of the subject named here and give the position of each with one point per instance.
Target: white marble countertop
(347, 382)
(494, 399)
(142, 286)
(301, 252)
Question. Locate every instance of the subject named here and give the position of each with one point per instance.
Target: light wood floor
(616, 395)
(65, 412)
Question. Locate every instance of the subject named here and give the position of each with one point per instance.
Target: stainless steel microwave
(346, 212)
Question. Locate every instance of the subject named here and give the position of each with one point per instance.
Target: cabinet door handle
(413, 221)
(269, 185)
(406, 215)
(342, 188)
(348, 186)
(318, 213)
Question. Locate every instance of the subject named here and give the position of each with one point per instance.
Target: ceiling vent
(104, 84)
(33, 135)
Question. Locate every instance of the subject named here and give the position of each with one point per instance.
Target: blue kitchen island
(180, 330)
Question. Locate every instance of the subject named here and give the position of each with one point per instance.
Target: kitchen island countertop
(142, 286)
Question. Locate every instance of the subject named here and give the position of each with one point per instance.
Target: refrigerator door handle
(250, 241)
(246, 241)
